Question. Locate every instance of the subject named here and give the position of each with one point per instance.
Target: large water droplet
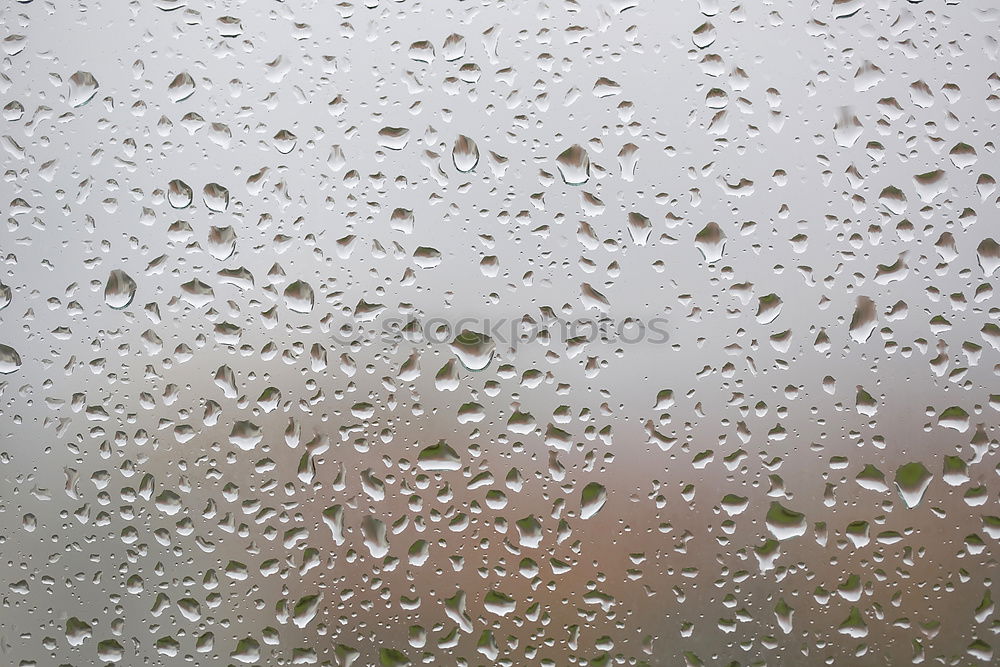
(246, 435)
(574, 165)
(863, 321)
(299, 297)
(119, 289)
(221, 242)
(768, 308)
(181, 88)
(988, 253)
(284, 141)
(465, 154)
(474, 350)
(179, 194)
(422, 51)
(393, 138)
(439, 457)
(247, 650)
(82, 87)
(912, 480)
(216, 197)
(401, 220)
(454, 47)
(10, 360)
(77, 631)
(711, 241)
(639, 228)
(197, 293)
(592, 499)
(785, 523)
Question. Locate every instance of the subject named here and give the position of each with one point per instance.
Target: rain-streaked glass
(513, 332)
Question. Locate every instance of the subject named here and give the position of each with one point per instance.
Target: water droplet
(179, 194)
(465, 154)
(393, 138)
(592, 499)
(10, 360)
(439, 457)
(912, 481)
(246, 435)
(784, 523)
(119, 289)
(181, 88)
(711, 241)
(216, 197)
(82, 88)
(299, 297)
(474, 350)
(574, 165)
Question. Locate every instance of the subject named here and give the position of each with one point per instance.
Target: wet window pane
(545, 332)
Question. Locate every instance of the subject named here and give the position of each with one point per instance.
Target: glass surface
(570, 332)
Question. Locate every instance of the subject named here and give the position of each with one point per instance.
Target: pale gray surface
(767, 95)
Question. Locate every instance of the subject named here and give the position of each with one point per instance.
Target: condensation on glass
(525, 332)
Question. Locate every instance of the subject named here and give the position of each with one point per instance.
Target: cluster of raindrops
(398, 332)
